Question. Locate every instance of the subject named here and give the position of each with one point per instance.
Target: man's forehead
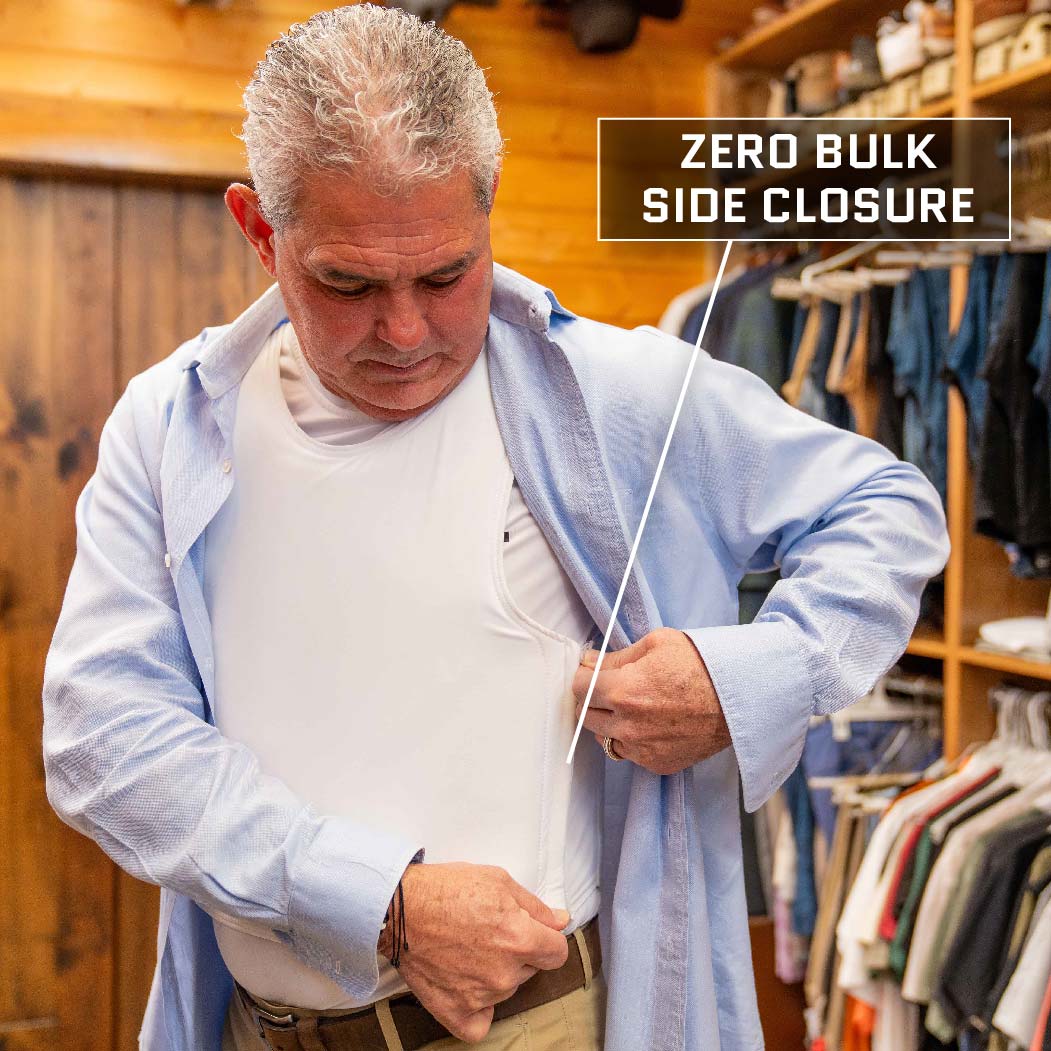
(344, 262)
(349, 200)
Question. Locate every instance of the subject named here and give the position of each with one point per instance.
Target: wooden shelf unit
(804, 29)
(1023, 88)
(978, 584)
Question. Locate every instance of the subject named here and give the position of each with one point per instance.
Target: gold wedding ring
(607, 747)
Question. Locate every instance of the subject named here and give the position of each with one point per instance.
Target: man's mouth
(414, 370)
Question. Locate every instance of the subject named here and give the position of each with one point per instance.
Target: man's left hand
(657, 702)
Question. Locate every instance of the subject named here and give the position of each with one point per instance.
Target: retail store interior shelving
(978, 584)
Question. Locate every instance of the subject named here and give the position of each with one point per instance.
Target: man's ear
(243, 203)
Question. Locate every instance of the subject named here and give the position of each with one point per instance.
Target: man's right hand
(474, 936)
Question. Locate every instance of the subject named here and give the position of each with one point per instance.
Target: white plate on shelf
(1017, 634)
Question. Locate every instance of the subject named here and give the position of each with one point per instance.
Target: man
(316, 668)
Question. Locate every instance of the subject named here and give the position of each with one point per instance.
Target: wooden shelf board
(91, 138)
(1006, 663)
(927, 644)
(941, 108)
(805, 29)
(1028, 86)
(894, 126)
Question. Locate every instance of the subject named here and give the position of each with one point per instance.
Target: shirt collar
(224, 354)
(522, 301)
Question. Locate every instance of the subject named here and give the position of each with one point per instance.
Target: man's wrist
(394, 921)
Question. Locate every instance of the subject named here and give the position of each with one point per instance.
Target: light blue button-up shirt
(133, 758)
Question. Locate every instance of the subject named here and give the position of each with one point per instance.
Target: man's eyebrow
(334, 274)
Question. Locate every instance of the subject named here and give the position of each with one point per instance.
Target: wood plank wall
(150, 86)
(96, 283)
(100, 278)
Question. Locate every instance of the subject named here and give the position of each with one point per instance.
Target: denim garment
(134, 760)
(891, 418)
(918, 344)
(752, 592)
(760, 336)
(814, 399)
(861, 752)
(725, 309)
(835, 408)
(1039, 357)
(804, 905)
(759, 332)
(967, 347)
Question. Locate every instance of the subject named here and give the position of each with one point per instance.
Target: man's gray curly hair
(371, 89)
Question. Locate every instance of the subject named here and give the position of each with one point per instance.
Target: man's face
(389, 296)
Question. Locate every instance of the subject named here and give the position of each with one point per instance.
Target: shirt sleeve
(132, 761)
(856, 534)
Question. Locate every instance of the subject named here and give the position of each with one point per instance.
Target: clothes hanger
(1022, 762)
(889, 276)
(839, 261)
(877, 706)
(914, 685)
(1036, 710)
(937, 260)
(788, 288)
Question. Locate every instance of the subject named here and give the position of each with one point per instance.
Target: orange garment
(858, 1025)
(1042, 1022)
(849, 373)
(792, 390)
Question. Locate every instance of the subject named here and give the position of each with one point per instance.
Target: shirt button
(167, 560)
(227, 466)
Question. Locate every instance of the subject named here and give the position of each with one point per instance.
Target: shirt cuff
(339, 898)
(764, 688)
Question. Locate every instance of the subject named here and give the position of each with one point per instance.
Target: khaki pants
(574, 1022)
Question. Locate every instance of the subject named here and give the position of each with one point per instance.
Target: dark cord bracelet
(396, 918)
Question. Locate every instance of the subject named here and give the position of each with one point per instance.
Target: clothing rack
(978, 587)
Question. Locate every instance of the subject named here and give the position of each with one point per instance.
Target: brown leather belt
(361, 1030)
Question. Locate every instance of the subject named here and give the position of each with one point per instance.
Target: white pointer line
(649, 501)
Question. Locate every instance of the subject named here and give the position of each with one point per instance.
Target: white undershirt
(496, 629)
(535, 578)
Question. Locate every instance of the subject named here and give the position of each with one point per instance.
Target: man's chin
(401, 401)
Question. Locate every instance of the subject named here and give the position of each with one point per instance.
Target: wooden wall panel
(183, 265)
(57, 371)
(56, 389)
(179, 75)
(213, 256)
(549, 97)
(148, 322)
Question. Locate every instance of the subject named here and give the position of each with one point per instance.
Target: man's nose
(401, 322)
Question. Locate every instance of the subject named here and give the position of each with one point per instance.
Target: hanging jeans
(918, 344)
(986, 294)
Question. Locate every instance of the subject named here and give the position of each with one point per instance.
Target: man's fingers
(556, 919)
(615, 659)
(550, 949)
(599, 722)
(606, 686)
(473, 1028)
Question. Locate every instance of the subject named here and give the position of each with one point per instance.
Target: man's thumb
(615, 659)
